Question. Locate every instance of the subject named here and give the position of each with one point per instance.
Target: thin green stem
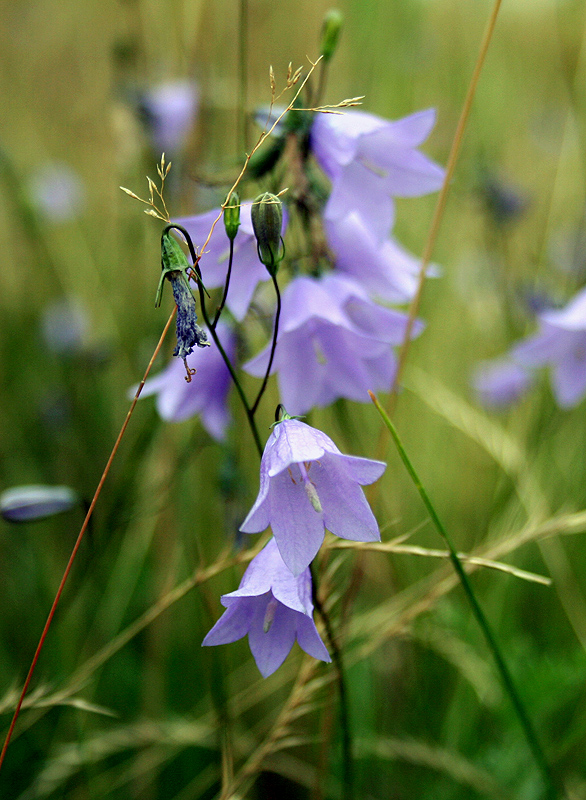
(226, 285)
(212, 329)
(273, 347)
(506, 677)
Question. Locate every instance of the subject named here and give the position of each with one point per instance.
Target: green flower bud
(232, 215)
(330, 33)
(267, 220)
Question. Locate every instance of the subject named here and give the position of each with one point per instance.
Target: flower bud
(330, 33)
(29, 503)
(232, 215)
(267, 220)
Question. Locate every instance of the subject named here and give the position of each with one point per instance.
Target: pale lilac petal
(362, 470)
(233, 624)
(346, 512)
(358, 190)
(291, 444)
(297, 527)
(399, 172)
(334, 138)
(258, 518)
(413, 130)
(272, 647)
(383, 268)
(309, 639)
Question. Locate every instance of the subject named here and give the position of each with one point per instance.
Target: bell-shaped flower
(560, 344)
(247, 270)
(371, 160)
(207, 392)
(308, 485)
(274, 608)
(333, 342)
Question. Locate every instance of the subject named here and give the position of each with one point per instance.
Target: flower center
(309, 487)
(269, 614)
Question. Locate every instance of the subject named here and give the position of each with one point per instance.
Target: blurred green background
(150, 718)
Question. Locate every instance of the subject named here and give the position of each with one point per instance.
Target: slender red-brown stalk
(78, 542)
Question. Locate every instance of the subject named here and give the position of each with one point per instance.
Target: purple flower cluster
(335, 340)
(559, 344)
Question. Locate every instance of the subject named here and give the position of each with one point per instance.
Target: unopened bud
(267, 220)
(232, 215)
(330, 33)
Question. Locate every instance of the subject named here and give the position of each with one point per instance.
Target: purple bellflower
(274, 608)
(247, 270)
(333, 342)
(371, 160)
(306, 486)
(560, 343)
(206, 394)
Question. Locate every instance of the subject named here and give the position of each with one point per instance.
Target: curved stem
(212, 329)
(506, 677)
(226, 285)
(273, 347)
(347, 759)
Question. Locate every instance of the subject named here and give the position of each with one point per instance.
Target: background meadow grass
(149, 715)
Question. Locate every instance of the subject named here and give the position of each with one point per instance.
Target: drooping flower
(333, 342)
(306, 486)
(247, 270)
(371, 160)
(560, 344)
(274, 608)
(168, 111)
(206, 394)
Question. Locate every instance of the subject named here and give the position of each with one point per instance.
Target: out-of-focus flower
(371, 160)
(169, 111)
(63, 326)
(333, 342)
(306, 486)
(247, 270)
(28, 503)
(560, 343)
(206, 394)
(500, 383)
(274, 608)
(57, 192)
